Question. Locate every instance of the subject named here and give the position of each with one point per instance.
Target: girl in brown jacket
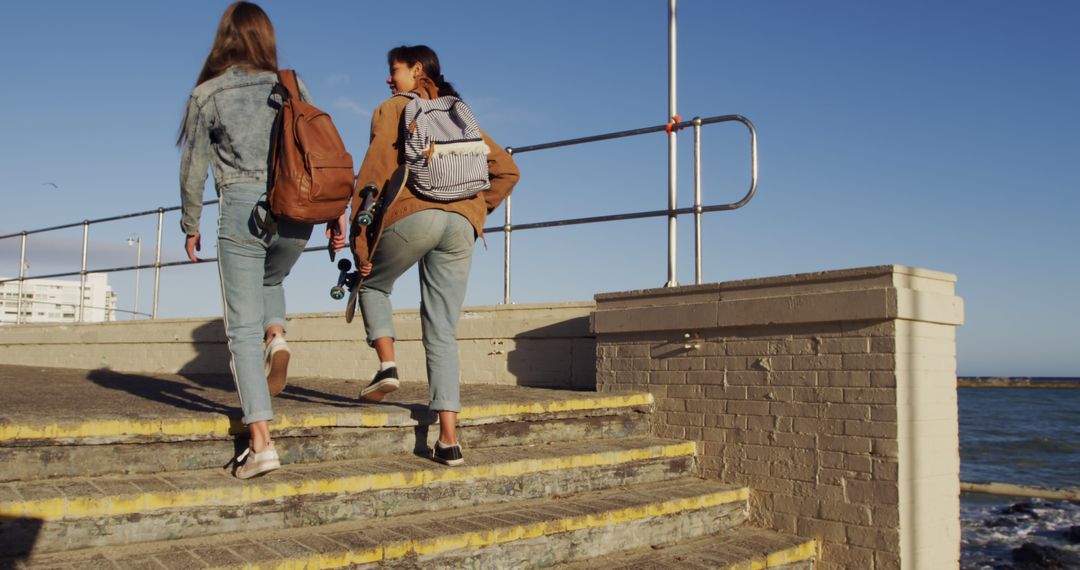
(439, 236)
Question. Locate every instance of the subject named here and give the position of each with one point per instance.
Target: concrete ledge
(872, 277)
(528, 345)
(872, 293)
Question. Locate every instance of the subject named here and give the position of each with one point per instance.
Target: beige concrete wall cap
(870, 293)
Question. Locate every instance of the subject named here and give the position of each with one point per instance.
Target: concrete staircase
(126, 471)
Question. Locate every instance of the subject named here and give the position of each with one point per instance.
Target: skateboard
(373, 205)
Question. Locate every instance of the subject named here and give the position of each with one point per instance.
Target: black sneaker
(449, 455)
(385, 381)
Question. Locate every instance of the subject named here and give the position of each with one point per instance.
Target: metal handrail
(98, 221)
(73, 305)
(128, 268)
(507, 228)
(672, 212)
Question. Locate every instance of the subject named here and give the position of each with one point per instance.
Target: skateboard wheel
(337, 293)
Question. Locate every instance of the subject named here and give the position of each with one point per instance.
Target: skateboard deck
(373, 231)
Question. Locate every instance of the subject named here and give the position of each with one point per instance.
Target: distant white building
(57, 301)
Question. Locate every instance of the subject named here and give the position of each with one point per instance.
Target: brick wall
(815, 392)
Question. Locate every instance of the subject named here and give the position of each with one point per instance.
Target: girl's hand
(336, 239)
(365, 269)
(192, 244)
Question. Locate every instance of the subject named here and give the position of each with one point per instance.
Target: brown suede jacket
(385, 156)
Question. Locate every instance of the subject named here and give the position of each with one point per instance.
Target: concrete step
(744, 548)
(38, 462)
(519, 534)
(65, 423)
(83, 512)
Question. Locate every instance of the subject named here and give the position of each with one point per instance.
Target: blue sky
(936, 134)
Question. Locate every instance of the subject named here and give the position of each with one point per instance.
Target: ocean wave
(995, 534)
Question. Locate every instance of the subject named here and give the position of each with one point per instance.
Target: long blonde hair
(244, 37)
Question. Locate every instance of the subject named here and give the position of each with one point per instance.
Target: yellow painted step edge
(800, 553)
(267, 490)
(481, 539)
(221, 426)
(805, 551)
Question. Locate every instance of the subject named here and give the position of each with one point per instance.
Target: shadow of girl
(208, 374)
(186, 395)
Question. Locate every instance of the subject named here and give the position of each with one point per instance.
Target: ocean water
(1025, 436)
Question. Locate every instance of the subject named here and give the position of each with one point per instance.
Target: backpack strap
(264, 219)
(287, 85)
(412, 97)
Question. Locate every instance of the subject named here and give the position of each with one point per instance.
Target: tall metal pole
(157, 261)
(672, 280)
(697, 200)
(138, 262)
(136, 240)
(22, 277)
(82, 275)
(506, 255)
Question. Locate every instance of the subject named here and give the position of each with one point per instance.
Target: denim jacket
(229, 120)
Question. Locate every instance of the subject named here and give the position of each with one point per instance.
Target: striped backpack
(444, 150)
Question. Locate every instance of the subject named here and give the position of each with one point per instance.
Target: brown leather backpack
(311, 174)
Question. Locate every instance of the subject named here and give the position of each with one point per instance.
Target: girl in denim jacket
(227, 127)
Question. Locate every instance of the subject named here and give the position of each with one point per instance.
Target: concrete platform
(41, 405)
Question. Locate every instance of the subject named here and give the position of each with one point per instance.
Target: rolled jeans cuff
(267, 416)
(444, 406)
(274, 321)
(380, 333)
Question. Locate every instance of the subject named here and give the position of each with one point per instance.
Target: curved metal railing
(507, 228)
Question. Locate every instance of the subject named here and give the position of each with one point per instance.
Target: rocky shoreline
(1016, 382)
(1028, 535)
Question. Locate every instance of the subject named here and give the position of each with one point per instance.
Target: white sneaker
(250, 464)
(277, 364)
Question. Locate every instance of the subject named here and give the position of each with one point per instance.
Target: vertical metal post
(157, 262)
(138, 272)
(672, 280)
(506, 244)
(506, 255)
(22, 278)
(697, 200)
(82, 274)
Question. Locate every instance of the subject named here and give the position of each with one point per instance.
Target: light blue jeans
(252, 268)
(442, 244)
